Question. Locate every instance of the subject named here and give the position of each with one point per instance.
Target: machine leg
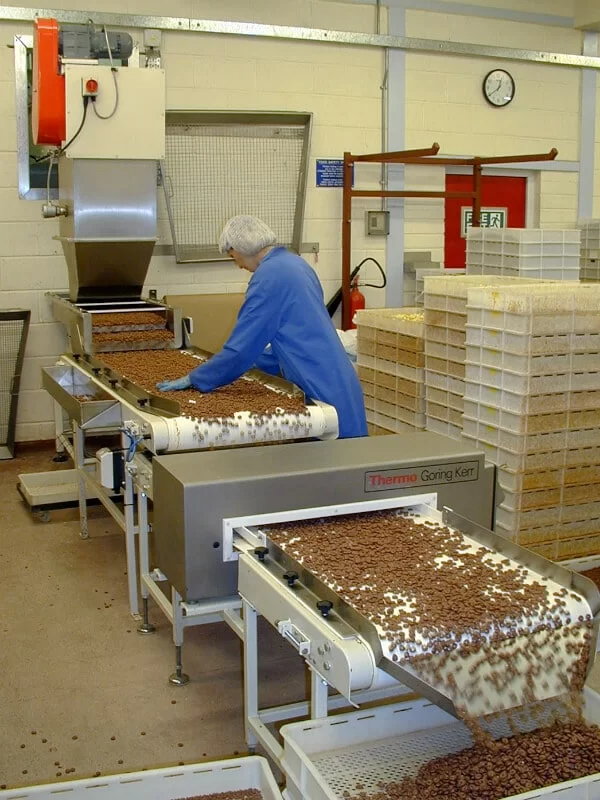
(318, 696)
(143, 532)
(178, 678)
(61, 454)
(250, 672)
(79, 443)
(146, 627)
(130, 545)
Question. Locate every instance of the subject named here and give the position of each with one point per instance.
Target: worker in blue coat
(283, 327)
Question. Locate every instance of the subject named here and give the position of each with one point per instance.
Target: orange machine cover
(48, 96)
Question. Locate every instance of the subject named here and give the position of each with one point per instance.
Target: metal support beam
(409, 193)
(587, 131)
(227, 28)
(396, 137)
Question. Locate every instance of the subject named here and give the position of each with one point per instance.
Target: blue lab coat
(284, 307)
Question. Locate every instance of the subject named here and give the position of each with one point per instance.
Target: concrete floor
(81, 692)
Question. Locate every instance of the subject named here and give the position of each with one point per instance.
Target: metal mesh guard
(13, 335)
(214, 172)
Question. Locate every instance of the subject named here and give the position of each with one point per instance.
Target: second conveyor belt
(539, 650)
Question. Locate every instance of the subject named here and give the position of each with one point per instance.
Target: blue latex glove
(174, 386)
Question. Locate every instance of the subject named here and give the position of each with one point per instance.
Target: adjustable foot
(146, 627)
(60, 458)
(178, 678)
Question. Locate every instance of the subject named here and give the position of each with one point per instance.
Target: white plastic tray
(236, 774)
(324, 758)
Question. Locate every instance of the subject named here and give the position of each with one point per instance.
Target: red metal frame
(421, 157)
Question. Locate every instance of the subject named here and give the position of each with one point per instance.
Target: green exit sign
(488, 218)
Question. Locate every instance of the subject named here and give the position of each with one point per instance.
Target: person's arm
(257, 323)
(268, 362)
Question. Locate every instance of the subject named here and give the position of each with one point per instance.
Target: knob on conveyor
(324, 607)
(261, 552)
(290, 577)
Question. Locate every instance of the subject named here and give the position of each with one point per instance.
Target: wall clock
(499, 88)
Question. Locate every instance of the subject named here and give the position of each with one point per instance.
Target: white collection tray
(171, 783)
(324, 758)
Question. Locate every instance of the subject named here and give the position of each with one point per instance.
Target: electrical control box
(132, 104)
(378, 223)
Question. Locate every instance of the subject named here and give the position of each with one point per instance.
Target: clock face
(499, 87)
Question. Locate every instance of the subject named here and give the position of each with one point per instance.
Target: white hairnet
(248, 235)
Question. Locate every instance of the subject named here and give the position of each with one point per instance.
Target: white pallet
(324, 758)
(533, 324)
(523, 383)
(525, 344)
(437, 333)
(528, 363)
(543, 461)
(445, 383)
(444, 397)
(514, 442)
(416, 374)
(518, 403)
(532, 479)
(236, 774)
(444, 351)
(514, 422)
(444, 428)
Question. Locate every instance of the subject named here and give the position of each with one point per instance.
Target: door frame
(532, 188)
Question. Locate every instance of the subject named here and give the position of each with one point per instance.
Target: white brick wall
(445, 103)
(341, 87)
(596, 212)
(558, 199)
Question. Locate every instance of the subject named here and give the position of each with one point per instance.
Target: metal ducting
(110, 231)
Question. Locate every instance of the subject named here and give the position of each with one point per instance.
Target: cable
(48, 178)
(60, 150)
(116, 105)
(133, 443)
(40, 159)
(79, 129)
(372, 285)
(112, 66)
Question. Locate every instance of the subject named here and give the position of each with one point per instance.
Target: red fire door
(502, 204)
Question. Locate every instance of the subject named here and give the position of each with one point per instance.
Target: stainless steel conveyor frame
(343, 650)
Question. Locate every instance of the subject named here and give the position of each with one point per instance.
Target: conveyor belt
(541, 650)
(159, 420)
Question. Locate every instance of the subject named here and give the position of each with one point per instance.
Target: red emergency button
(91, 87)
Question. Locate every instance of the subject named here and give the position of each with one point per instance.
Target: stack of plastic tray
(420, 281)
(193, 780)
(352, 754)
(532, 404)
(590, 251)
(390, 364)
(524, 252)
(445, 342)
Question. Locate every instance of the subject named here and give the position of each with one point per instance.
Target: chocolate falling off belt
(454, 612)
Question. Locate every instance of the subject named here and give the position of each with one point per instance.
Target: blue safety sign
(330, 172)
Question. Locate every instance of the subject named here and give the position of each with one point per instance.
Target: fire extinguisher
(357, 301)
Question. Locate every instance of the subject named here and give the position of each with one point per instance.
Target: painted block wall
(339, 85)
(444, 102)
(597, 158)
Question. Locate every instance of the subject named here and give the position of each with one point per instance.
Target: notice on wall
(330, 172)
(488, 218)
